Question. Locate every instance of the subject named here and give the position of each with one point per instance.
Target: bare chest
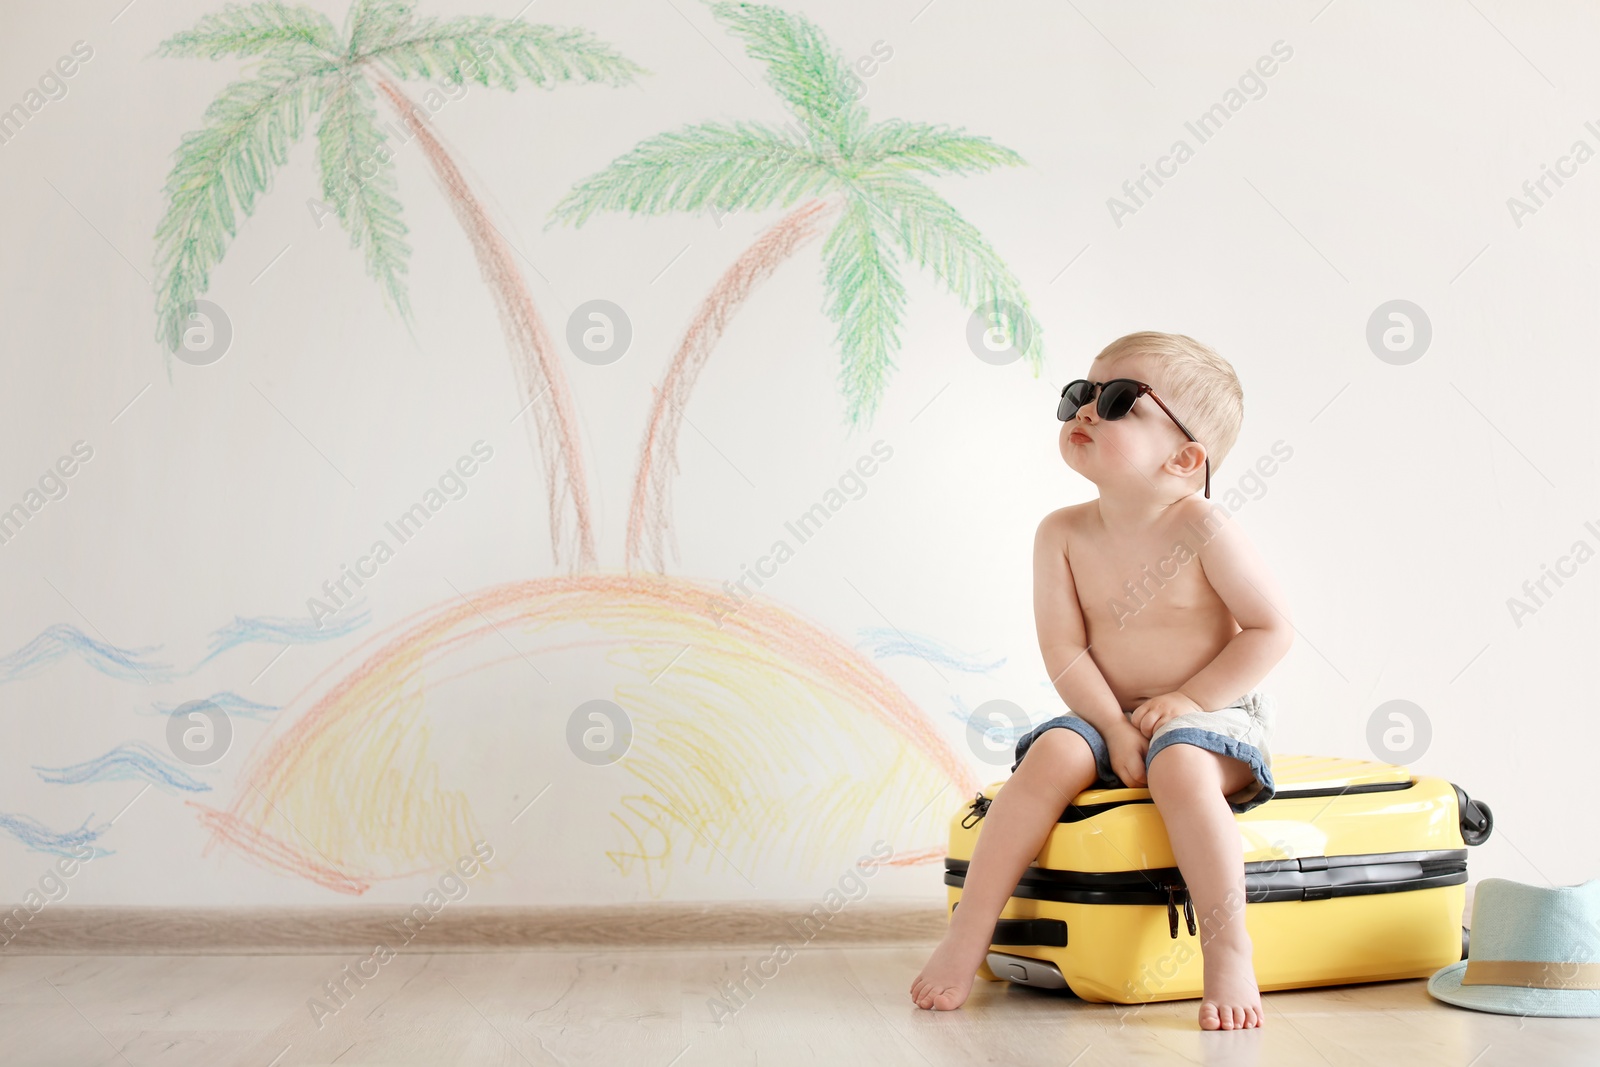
(1158, 576)
(1151, 618)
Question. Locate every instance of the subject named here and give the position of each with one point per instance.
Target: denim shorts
(1242, 730)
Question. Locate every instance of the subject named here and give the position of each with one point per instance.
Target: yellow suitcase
(1355, 871)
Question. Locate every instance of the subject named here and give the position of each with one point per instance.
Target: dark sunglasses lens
(1116, 400)
(1073, 397)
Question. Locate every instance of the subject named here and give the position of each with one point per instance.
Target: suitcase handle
(1050, 933)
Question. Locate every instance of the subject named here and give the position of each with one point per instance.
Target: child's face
(1127, 456)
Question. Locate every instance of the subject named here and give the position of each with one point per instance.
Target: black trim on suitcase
(1077, 813)
(1266, 881)
(1303, 878)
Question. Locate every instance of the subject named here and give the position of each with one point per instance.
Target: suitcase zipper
(1302, 878)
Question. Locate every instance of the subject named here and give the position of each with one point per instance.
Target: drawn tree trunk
(540, 376)
(650, 514)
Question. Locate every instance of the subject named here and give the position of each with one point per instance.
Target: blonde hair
(1198, 385)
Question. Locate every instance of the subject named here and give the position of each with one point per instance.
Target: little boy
(1183, 619)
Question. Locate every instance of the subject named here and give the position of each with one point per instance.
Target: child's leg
(1057, 767)
(1189, 784)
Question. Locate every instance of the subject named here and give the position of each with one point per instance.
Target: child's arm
(1064, 644)
(1245, 584)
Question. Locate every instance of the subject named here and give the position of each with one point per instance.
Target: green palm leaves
(874, 170)
(219, 171)
(261, 29)
(495, 52)
(307, 67)
(350, 145)
(738, 166)
(864, 298)
(805, 69)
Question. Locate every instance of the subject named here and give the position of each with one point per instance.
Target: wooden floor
(824, 1007)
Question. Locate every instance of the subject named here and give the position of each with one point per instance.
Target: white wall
(1376, 166)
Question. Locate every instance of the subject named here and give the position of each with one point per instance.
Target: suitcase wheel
(1477, 821)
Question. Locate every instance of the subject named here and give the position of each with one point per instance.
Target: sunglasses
(1116, 399)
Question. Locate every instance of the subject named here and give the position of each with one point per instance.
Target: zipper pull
(1172, 912)
(980, 808)
(1188, 911)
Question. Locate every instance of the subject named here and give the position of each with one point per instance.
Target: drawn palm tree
(307, 67)
(866, 175)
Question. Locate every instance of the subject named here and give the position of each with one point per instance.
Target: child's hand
(1149, 716)
(1126, 749)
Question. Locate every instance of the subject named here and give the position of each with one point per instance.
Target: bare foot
(947, 977)
(1232, 1001)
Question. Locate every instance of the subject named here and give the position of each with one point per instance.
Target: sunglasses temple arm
(1152, 395)
(1179, 423)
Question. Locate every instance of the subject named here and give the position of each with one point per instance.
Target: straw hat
(1534, 950)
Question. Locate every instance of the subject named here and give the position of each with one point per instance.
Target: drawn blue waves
(40, 838)
(135, 761)
(281, 631)
(130, 761)
(998, 734)
(884, 641)
(235, 705)
(64, 640)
